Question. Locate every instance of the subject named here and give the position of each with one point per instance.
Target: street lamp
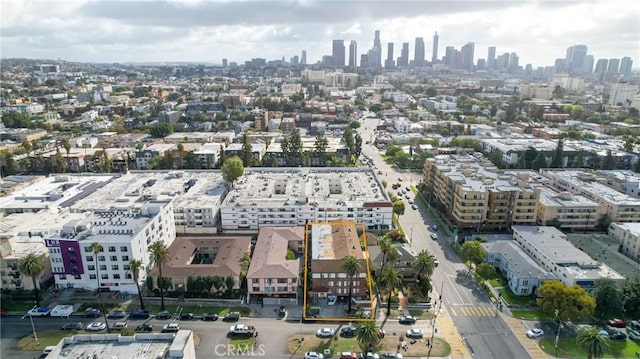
(555, 343)
(33, 327)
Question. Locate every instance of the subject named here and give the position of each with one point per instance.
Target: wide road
(273, 334)
(474, 315)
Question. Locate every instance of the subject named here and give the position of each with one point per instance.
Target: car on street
(171, 328)
(407, 196)
(118, 314)
(618, 336)
(72, 326)
(313, 355)
(407, 320)
(399, 179)
(635, 324)
(331, 299)
(186, 316)
(434, 227)
(414, 207)
(348, 332)
(325, 333)
(635, 335)
(434, 236)
(119, 325)
(92, 313)
(231, 317)
(616, 323)
(391, 355)
(96, 326)
(210, 317)
(348, 355)
(39, 312)
(145, 327)
(368, 355)
(603, 333)
(415, 333)
(139, 314)
(282, 311)
(535, 333)
(410, 201)
(163, 315)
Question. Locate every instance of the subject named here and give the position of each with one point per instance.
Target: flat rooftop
(604, 248)
(585, 181)
(553, 243)
(305, 187)
(205, 189)
(552, 198)
(38, 224)
(335, 241)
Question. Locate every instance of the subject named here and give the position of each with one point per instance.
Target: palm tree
(391, 279)
(385, 246)
(368, 335)
(392, 256)
(159, 255)
(95, 249)
(592, 342)
(351, 267)
(134, 266)
(31, 266)
(424, 265)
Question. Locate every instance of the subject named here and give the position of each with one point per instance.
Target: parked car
(92, 313)
(171, 328)
(313, 355)
(390, 355)
(72, 326)
(368, 355)
(414, 207)
(603, 333)
(119, 325)
(139, 314)
(210, 317)
(231, 317)
(164, 315)
(325, 333)
(434, 227)
(535, 333)
(39, 312)
(96, 326)
(407, 320)
(635, 324)
(331, 299)
(618, 336)
(348, 332)
(145, 327)
(186, 316)
(282, 311)
(434, 236)
(634, 334)
(348, 355)
(616, 323)
(415, 333)
(118, 314)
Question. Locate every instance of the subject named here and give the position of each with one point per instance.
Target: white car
(331, 299)
(535, 333)
(171, 328)
(313, 355)
(415, 333)
(39, 312)
(325, 333)
(96, 326)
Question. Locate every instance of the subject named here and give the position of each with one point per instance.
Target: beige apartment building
(477, 194)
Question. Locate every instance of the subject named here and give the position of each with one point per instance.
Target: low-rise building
(144, 156)
(628, 234)
(567, 210)
(404, 263)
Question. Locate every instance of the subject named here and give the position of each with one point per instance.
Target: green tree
(385, 246)
(603, 222)
(557, 157)
(590, 340)
(392, 256)
(8, 164)
(66, 145)
(390, 279)
(246, 152)
(632, 296)
(31, 266)
(60, 163)
(530, 155)
(180, 149)
(232, 169)
(290, 254)
(14, 119)
(424, 265)
(27, 146)
(96, 248)
(159, 255)
(608, 162)
(540, 161)
(349, 141)
(608, 296)
(160, 130)
(351, 267)
(398, 207)
(636, 166)
(320, 149)
(368, 335)
(354, 124)
(295, 146)
(357, 146)
(473, 252)
(229, 283)
(135, 266)
(486, 271)
(572, 303)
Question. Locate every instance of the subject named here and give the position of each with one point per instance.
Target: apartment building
(270, 272)
(512, 149)
(628, 234)
(622, 180)
(567, 210)
(329, 244)
(619, 206)
(294, 196)
(123, 234)
(148, 153)
(477, 194)
(550, 249)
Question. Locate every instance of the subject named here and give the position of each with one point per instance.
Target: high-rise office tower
(491, 58)
(303, 58)
(338, 53)
(601, 66)
(389, 63)
(403, 60)
(378, 46)
(434, 53)
(224, 63)
(513, 62)
(587, 66)
(449, 55)
(625, 65)
(418, 58)
(295, 60)
(575, 58)
(467, 56)
(353, 54)
(614, 64)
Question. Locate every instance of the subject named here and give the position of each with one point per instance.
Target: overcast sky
(207, 30)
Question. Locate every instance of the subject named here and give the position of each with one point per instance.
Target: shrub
(412, 300)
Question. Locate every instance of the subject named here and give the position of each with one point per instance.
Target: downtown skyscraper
(403, 60)
(338, 53)
(353, 54)
(418, 59)
(389, 63)
(434, 53)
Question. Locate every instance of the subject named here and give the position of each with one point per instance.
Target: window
(87, 249)
(63, 276)
(92, 276)
(255, 281)
(89, 258)
(116, 276)
(124, 249)
(282, 280)
(114, 258)
(103, 267)
(91, 267)
(126, 267)
(112, 248)
(101, 258)
(330, 283)
(104, 276)
(125, 258)
(128, 276)
(115, 267)
(294, 280)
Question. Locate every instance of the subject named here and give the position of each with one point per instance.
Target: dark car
(348, 332)
(139, 314)
(434, 227)
(407, 320)
(231, 317)
(282, 311)
(186, 316)
(618, 336)
(118, 314)
(144, 328)
(164, 315)
(210, 317)
(92, 313)
(617, 323)
(72, 326)
(635, 324)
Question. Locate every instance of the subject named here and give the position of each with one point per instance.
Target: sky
(210, 30)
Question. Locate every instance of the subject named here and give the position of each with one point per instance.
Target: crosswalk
(473, 311)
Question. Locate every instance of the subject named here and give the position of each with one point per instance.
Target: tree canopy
(232, 169)
(473, 252)
(162, 129)
(572, 303)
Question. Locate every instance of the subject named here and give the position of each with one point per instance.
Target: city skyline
(192, 30)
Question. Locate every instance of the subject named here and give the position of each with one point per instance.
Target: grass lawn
(243, 344)
(389, 344)
(511, 298)
(195, 309)
(497, 282)
(45, 338)
(568, 348)
(19, 306)
(418, 313)
(532, 315)
(397, 223)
